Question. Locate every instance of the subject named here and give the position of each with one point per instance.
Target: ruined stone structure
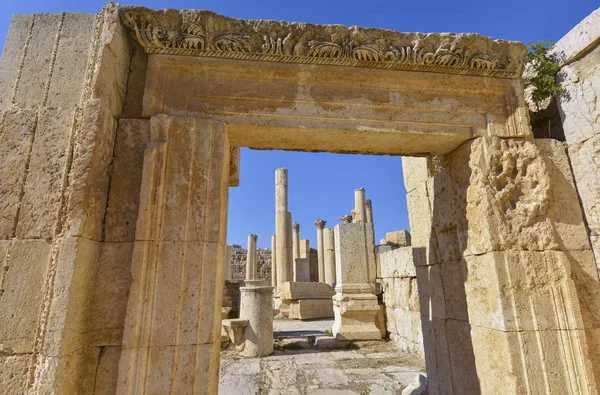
(120, 138)
(238, 264)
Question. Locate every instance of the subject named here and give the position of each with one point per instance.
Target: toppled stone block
(291, 290)
(307, 309)
(236, 329)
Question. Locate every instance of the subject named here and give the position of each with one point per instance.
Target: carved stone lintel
(204, 33)
(320, 224)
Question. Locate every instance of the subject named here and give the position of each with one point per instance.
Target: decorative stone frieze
(206, 34)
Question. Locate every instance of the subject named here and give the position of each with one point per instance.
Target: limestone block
(564, 211)
(108, 369)
(302, 269)
(526, 290)
(304, 290)
(420, 218)
(12, 54)
(13, 373)
(356, 317)
(414, 170)
(17, 133)
(45, 184)
(431, 292)
(304, 248)
(114, 53)
(111, 290)
(90, 171)
(437, 357)
(25, 264)
(417, 387)
(454, 275)
(126, 179)
(307, 309)
(37, 64)
(400, 238)
(236, 329)
(378, 251)
(579, 38)
(136, 82)
(583, 157)
(355, 257)
(397, 262)
(70, 59)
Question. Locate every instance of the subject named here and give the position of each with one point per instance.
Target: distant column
(255, 260)
(320, 224)
(329, 247)
(296, 243)
(250, 256)
(369, 211)
(359, 206)
(283, 228)
(273, 261)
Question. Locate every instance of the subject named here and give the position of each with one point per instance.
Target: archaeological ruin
(121, 133)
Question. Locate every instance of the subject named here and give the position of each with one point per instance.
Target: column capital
(347, 219)
(320, 224)
(368, 203)
(296, 226)
(254, 236)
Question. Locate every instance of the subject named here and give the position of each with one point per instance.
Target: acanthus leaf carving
(187, 35)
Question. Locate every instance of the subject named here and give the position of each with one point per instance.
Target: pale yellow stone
(308, 309)
(304, 290)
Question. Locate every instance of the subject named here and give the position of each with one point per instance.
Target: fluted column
(320, 224)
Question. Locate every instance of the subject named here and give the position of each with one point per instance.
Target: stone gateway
(120, 139)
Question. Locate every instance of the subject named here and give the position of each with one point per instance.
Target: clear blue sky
(322, 185)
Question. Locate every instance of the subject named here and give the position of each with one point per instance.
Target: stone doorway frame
(506, 275)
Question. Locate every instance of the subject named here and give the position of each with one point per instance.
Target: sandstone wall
(579, 105)
(504, 268)
(398, 278)
(64, 288)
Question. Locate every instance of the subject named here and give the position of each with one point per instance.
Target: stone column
(274, 261)
(250, 256)
(355, 304)
(369, 211)
(174, 312)
(329, 255)
(320, 224)
(296, 247)
(227, 304)
(255, 260)
(283, 228)
(360, 209)
(256, 307)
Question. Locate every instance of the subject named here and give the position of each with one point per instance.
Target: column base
(356, 317)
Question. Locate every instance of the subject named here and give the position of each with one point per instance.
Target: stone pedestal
(307, 300)
(329, 255)
(355, 304)
(256, 307)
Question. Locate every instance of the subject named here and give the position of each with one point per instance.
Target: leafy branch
(542, 67)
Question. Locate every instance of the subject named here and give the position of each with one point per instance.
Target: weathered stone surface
(236, 329)
(12, 55)
(400, 238)
(13, 372)
(18, 127)
(355, 257)
(126, 178)
(302, 269)
(356, 317)
(107, 371)
(24, 263)
(307, 309)
(579, 39)
(397, 262)
(304, 290)
(417, 387)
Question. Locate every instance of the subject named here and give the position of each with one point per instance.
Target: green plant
(542, 66)
(328, 332)
(365, 391)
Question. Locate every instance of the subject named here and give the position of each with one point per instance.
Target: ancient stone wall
(64, 289)
(504, 269)
(579, 54)
(238, 264)
(398, 278)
